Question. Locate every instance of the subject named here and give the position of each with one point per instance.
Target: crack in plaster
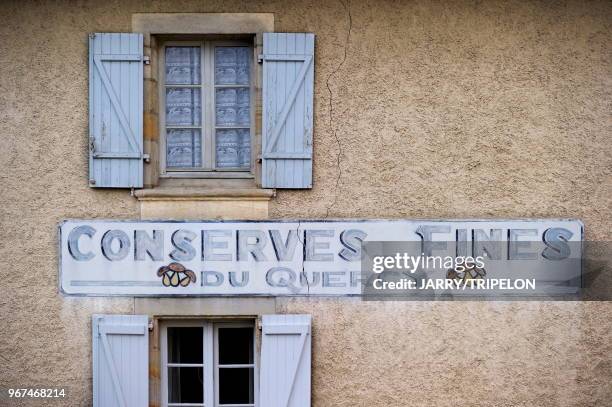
(334, 129)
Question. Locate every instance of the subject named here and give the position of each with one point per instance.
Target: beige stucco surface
(422, 110)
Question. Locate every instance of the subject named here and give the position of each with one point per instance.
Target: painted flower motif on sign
(467, 272)
(175, 274)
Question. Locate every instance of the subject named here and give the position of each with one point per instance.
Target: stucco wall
(422, 109)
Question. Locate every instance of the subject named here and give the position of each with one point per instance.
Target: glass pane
(183, 148)
(244, 153)
(232, 65)
(232, 107)
(236, 385)
(233, 148)
(185, 345)
(185, 385)
(183, 107)
(235, 346)
(183, 65)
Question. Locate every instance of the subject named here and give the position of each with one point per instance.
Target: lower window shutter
(285, 361)
(288, 80)
(120, 346)
(115, 110)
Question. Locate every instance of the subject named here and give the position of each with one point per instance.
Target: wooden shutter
(288, 79)
(120, 361)
(115, 110)
(285, 361)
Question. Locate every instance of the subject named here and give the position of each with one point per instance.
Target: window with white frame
(207, 114)
(207, 363)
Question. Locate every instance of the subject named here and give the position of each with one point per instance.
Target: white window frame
(210, 365)
(208, 126)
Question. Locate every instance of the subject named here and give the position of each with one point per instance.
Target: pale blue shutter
(288, 79)
(120, 360)
(115, 110)
(285, 361)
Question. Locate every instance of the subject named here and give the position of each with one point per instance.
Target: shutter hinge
(260, 58)
(259, 325)
(92, 148)
(150, 325)
(146, 60)
(146, 158)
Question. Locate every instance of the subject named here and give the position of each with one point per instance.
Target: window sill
(204, 199)
(181, 193)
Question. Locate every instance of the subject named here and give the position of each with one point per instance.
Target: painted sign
(168, 258)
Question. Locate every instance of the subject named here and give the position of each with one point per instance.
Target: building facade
(404, 110)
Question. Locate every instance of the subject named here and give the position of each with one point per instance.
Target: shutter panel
(115, 110)
(285, 361)
(120, 360)
(288, 79)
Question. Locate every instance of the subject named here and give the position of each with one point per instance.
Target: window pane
(244, 153)
(183, 65)
(233, 148)
(236, 385)
(232, 107)
(235, 346)
(232, 65)
(185, 385)
(183, 107)
(185, 345)
(183, 148)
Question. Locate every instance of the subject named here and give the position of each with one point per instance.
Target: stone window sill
(204, 199)
(189, 193)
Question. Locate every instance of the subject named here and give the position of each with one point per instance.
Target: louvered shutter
(120, 361)
(288, 79)
(115, 110)
(285, 361)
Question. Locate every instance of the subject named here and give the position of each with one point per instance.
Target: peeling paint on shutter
(285, 361)
(120, 346)
(288, 80)
(115, 110)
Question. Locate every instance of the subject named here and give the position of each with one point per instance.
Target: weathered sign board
(199, 258)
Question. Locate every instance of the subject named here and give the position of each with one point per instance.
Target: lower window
(207, 363)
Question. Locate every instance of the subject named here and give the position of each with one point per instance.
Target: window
(208, 364)
(279, 151)
(207, 115)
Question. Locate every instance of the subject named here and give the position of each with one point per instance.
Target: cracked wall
(426, 110)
